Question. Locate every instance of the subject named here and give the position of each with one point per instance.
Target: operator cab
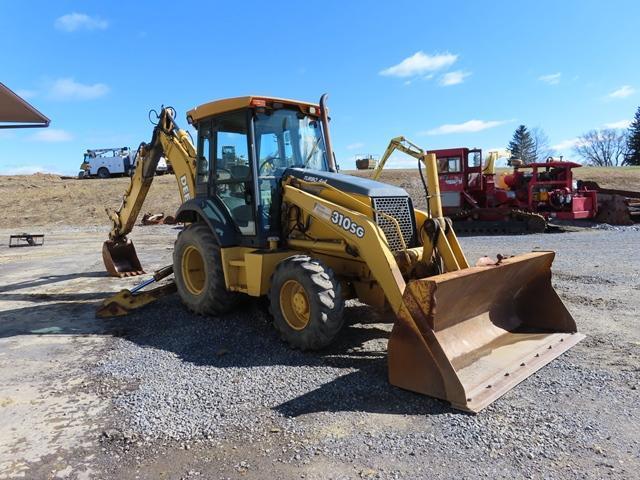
(244, 147)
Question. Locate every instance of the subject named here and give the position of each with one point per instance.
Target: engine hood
(348, 183)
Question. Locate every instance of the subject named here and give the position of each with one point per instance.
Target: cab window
(202, 164)
(474, 159)
(287, 138)
(449, 164)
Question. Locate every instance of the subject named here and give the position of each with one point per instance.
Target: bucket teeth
(120, 259)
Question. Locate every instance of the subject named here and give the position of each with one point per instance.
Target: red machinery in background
(520, 201)
(548, 188)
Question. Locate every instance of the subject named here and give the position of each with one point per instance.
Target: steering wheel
(267, 161)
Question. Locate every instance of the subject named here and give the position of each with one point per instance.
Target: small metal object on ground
(26, 240)
(158, 219)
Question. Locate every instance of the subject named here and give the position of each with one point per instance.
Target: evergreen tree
(522, 145)
(633, 141)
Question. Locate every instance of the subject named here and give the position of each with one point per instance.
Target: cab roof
(229, 104)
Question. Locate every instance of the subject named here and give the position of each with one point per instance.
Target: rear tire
(197, 267)
(306, 303)
(103, 173)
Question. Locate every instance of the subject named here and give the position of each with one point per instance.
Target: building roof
(15, 112)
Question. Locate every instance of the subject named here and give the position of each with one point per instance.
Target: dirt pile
(46, 199)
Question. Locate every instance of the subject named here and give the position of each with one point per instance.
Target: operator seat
(243, 216)
(240, 172)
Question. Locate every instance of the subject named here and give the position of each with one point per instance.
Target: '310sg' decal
(347, 224)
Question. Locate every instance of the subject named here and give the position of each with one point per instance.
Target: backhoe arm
(167, 141)
(401, 144)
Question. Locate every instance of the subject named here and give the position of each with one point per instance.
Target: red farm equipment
(520, 201)
(479, 201)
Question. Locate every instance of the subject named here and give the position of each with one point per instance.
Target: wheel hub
(294, 304)
(193, 271)
(300, 303)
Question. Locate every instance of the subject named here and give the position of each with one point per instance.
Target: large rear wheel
(306, 303)
(197, 267)
(103, 172)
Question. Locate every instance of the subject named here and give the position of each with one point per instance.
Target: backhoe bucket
(120, 259)
(470, 336)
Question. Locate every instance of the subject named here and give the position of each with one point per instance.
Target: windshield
(288, 138)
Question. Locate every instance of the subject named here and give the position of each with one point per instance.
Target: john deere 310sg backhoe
(266, 213)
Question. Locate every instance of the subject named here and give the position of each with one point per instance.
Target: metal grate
(400, 209)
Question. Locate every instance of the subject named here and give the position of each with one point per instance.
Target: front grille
(399, 208)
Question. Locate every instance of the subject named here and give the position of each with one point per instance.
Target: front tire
(197, 268)
(306, 303)
(103, 173)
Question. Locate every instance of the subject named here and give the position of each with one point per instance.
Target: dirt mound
(44, 200)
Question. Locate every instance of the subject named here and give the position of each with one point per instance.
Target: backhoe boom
(175, 145)
(401, 144)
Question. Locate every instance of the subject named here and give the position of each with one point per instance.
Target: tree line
(606, 147)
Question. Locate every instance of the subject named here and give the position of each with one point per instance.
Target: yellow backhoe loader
(272, 217)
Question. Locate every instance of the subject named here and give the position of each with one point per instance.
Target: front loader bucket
(470, 336)
(120, 259)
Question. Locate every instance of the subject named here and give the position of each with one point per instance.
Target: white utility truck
(106, 162)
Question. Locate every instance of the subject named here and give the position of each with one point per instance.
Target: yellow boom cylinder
(433, 185)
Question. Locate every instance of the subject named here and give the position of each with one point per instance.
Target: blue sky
(443, 74)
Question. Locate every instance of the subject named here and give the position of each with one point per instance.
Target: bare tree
(541, 145)
(602, 148)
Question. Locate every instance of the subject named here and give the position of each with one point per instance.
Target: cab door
(203, 160)
(452, 180)
(232, 176)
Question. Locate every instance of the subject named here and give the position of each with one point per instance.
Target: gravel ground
(223, 397)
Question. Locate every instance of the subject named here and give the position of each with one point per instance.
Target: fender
(216, 217)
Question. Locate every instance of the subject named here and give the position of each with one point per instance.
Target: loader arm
(175, 145)
(371, 246)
